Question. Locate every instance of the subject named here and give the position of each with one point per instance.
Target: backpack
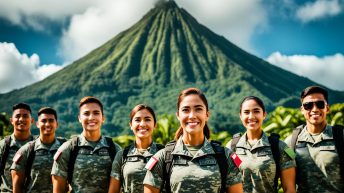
(29, 161)
(338, 141)
(74, 153)
(276, 154)
(125, 156)
(219, 156)
(6, 153)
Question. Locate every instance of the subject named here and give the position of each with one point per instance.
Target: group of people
(309, 160)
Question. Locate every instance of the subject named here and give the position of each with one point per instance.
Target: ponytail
(179, 133)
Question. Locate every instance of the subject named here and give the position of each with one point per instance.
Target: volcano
(165, 52)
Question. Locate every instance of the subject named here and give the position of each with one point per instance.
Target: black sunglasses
(309, 105)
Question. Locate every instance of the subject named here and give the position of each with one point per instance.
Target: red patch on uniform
(237, 161)
(151, 163)
(57, 155)
(17, 158)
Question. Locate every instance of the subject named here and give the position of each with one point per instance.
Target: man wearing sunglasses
(317, 158)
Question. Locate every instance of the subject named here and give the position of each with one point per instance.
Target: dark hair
(91, 99)
(182, 95)
(140, 107)
(314, 89)
(47, 110)
(258, 101)
(21, 106)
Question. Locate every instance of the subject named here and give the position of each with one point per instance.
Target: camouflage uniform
(258, 166)
(317, 163)
(92, 165)
(190, 174)
(41, 166)
(133, 171)
(6, 185)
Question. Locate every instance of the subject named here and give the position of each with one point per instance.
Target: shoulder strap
(235, 141)
(112, 148)
(159, 146)
(124, 159)
(339, 143)
(294, 136)
(274, 142)
(5, 156)
(73, 154)
(222, 162)
(29, 163)
(168, 165)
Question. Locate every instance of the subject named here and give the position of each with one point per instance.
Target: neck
(193, 140)
(91, 135)
(315, 129)
(22, 136)
(253, 135)
(143, 143)
(47, 139)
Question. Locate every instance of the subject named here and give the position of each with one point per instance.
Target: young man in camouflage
(92, 161)
(317, 161)
(32, 163)
(21, 121)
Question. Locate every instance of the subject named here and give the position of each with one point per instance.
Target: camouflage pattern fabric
(317, 163)
(6, 185)
(41, 166)
(133, 169)
(190, 174)
(258, 166)
(92, 165)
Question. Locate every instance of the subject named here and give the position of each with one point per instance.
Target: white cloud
(318, 10)
(236, 20)
(327, 70)
(19, 70)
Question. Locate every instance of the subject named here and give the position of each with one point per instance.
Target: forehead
(192, 100)
(46, 116)
(21, 111)
(143, 113)
(90, 107)
(314, 97)
(250, 104)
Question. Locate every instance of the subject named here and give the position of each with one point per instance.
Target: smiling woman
(189, 161)
(128, 168)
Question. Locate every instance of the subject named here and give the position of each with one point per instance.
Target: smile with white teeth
(192, 123)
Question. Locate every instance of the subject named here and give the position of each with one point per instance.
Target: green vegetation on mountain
(151, 62)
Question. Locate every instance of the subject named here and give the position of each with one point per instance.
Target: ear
(79, 118)
(103, 119)
(32, 121)
(208, 115)
(177, 115)
(327, 108)
(264, 115)
(37, 124)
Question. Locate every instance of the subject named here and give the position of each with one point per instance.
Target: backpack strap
(5, 156)
(29, 163)
(168, 165)
(274, 142)
(339, 143)
(124, 160)
(112, 148)
(294, 136)
(73, 154)
(221, 159)
(235, 141)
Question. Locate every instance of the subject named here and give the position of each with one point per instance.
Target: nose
(142, 123)
(191, 114)
(250, 115)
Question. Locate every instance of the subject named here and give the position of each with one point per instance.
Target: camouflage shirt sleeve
(287, 160)
(233, 173)
(21, 163)
(154, 177)
(117, 166)
(61, 158)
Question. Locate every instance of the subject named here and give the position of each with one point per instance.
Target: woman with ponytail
(194, 166)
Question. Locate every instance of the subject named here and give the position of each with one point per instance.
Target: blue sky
(39, 37)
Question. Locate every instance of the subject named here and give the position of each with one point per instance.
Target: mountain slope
(151, 62)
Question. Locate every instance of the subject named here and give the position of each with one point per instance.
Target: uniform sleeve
(117, 166)
(61, 159)
(287, 159)
(20, 158)
(233, 173)
(288, 140)
(154, 175)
